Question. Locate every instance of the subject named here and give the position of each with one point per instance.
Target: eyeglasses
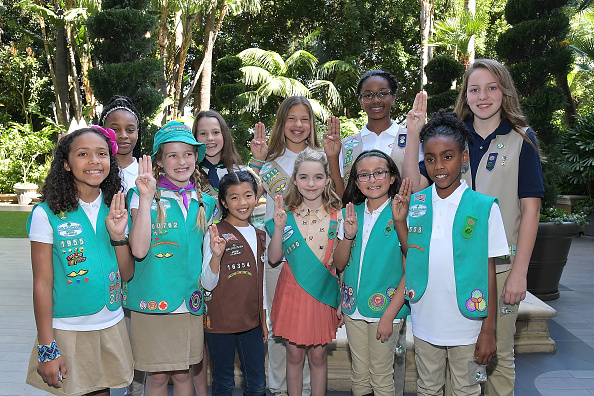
(378, 175)
(367, 97)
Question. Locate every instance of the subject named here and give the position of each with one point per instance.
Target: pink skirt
(298, 317)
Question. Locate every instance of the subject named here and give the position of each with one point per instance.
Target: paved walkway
(569, 372)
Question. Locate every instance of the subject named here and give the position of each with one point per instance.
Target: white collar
(392, 130)
(378, 210)
(453, 198)
(93, 205)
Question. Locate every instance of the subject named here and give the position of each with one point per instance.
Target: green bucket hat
(175, 131)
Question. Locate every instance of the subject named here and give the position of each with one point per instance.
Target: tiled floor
(569, 372)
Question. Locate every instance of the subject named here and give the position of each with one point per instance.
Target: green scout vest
(86, 273)
(274, 178)
(380, 273)
(470, 240)
(170, 272)
(310, 273)
(352, 147)
(497, 176)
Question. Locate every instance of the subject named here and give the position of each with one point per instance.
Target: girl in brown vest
(233, 276)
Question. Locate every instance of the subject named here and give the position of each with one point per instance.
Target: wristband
(257, 160)
(350, 239)
(47, 353)
(255, 166)
(119, 243)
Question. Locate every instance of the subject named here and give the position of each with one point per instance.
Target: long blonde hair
(276, 144)
(510, 103)
(161, 211)
(330, 199)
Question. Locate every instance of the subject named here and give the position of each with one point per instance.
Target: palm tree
(456, 33)
(300, 74)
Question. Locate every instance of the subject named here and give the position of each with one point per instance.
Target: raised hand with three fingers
(258, 144)
(416, 117)
(350, 222)
(401, 201)
(217, 243)
(332, 143)
(117, 219)
(279, 215)
(145, 182)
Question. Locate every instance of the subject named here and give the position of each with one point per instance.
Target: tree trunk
(62, 73)
(76, 96)
(50, 63)
(184, 44)
(570, 110)
(206, 79)
(163, 42)
(470, 6)
(426, 19)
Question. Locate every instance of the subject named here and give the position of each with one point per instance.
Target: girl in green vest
(451, 240)
(373, 281)
(80, 254)
(169, 216)
(307, 293)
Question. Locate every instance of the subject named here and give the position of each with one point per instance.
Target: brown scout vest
(352, 147)
(236, 303)
(497, 176)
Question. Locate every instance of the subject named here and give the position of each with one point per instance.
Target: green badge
(500, 145)
(469, 224)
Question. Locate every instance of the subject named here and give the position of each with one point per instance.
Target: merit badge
(476, 302)
(196, 301)
(143, 305)
(468, 229)
(377, 302)
(491, 161)
(163, 305)
(152, 305)
(348, 299)
(390, 292)
(500, 145)
(417, 210)
(402, 140)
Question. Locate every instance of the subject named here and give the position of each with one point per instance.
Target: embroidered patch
(166, 204)
(416, 247)
(500, 145)
(143, 305)
(152, 305)
(491, 161)
(207, 295)
(476, 302)
(419, 197)
(377, 302)
(161, 255)
(292, 247)
(69, 229)
(163, 305)
(390, 292)
(239, 273)
(417, 210)
(266, 167)
(402, 140)
(164, 242)
(348, 299)
(411, 294)
(72, 242)
(75, 258)
(287, 232)
(350, 143)
(468, 228)
(196, 301)
(229, 237)
(79, 273)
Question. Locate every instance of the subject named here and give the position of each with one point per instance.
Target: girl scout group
(363, 233)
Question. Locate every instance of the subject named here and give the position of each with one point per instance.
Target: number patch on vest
(415, 229)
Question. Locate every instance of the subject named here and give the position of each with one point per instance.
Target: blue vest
(170, 272)
(381, 268)
(470, 237)
(86, 273)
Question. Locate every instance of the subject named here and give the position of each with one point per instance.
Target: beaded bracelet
(255, 166)
(257, 160)
(47, 353)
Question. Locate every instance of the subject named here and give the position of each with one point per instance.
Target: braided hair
(443, 123)
(119, 102)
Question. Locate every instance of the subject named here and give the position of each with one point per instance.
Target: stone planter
(549, 258)
(25, 192)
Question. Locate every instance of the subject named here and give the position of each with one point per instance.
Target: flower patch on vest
(377, 302)
(476, 302)
(196, 301)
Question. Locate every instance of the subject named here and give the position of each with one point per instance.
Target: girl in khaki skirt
(79, 254)
(169, 217)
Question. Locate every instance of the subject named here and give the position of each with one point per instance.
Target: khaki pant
(431, 366)
(400, 362)
(501, 370)
(373, 360)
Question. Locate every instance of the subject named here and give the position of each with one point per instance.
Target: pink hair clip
(110, 135)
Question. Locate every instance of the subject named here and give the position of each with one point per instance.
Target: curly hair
(443, 123)
(235, 179)
(59, 190)
(353, 194)
(330, 199)
(276, 143)
(119, 102)
(388, 76)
